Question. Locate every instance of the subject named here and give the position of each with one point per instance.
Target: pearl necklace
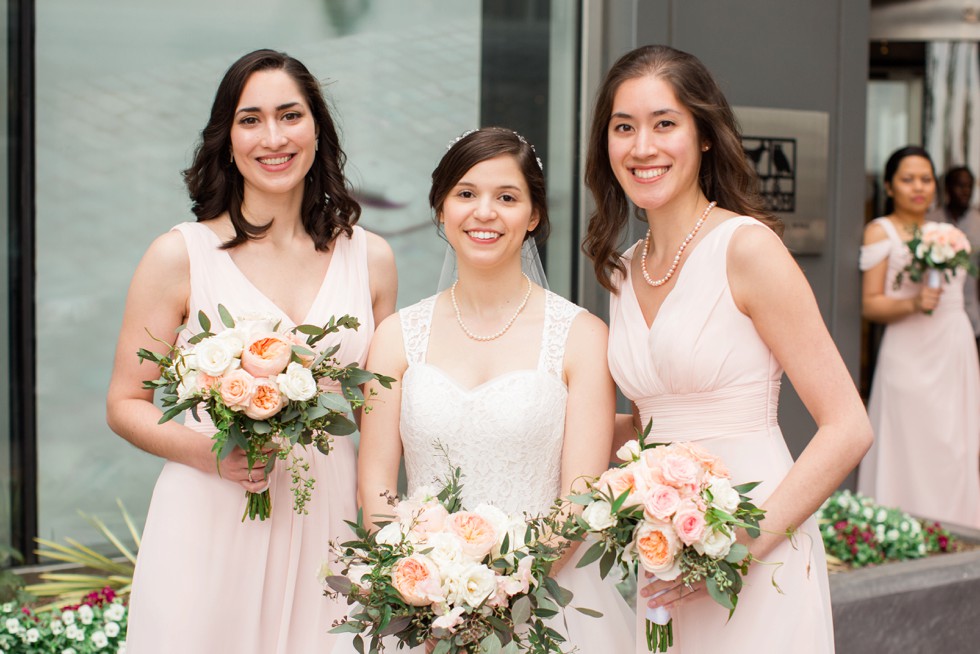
(503, 330)
(680, 251)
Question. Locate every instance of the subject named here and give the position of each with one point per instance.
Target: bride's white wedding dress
(506, 435)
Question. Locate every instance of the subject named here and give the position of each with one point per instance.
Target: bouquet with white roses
(468, 580)
(937, 249)
(672, 509)
(267, 390)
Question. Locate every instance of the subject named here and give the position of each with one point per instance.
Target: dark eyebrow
(282, 107)
(499, 188)
(658, 112)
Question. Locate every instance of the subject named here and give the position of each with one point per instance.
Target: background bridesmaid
(706, 313)
(275, 236)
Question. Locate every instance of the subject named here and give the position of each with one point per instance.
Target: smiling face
(273, 135)
(913, 186)
(654, 146)
(488, 213)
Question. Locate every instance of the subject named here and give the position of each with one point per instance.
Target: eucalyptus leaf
(718, 595)
(204, 320)
(737, 553)
(226, 318)
(521, 611)
(592, 613)
(591, 555)
(333, 402)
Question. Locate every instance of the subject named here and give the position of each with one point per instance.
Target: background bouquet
(473, 580)
(672, 509)
(266, 390)
(937, 249)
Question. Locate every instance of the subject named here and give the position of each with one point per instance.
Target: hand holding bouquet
(671, 508)
(937, 249)
(266, 390)
(470, 580)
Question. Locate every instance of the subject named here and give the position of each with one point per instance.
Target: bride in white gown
(508, 378)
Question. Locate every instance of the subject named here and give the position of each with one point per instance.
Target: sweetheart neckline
(489, 382)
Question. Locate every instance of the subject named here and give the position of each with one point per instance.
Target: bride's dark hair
(216, 186)
(481, 145)
(725, 175)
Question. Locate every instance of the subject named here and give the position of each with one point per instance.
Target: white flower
(57, 627)
(880, 532)
(33, 635)
(115, 612)
(111, 629)
(903, 525)
(297, 383)
(444, 548)
(599, 515)
(868, 513)
(69, 650)
(892, 535)
(715, 543)
(357, 573)
(13, 625)
(916, 527)
(630, 451)
(449, 621)
(725, 497)
(72, 632)
(187, 387)
(256, 322)
(99, 640)
(424, 493)
(472, 584)
(8, 607)
(829, 530)
(390, 534)
(85, 614)
(68, 617)
(882, 515)
(843, 501)
(922, 548)
(216, 356)
(235, 338)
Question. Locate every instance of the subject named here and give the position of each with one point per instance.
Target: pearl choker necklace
(503, 330)
(677, 257)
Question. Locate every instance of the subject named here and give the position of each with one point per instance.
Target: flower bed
(97, 624)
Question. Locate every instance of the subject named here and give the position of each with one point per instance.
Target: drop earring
(231, 156)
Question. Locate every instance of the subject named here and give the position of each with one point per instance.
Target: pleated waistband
(712, 414)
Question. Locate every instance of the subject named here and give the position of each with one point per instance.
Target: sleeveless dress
(703, 374)
(206, 581)
(925, 401)
(506, 435)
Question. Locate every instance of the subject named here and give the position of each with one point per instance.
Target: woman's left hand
(668, 594)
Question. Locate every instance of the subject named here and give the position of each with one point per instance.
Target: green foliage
(97, 624)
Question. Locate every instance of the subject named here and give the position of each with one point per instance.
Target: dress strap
(416, 323)
(559, 314)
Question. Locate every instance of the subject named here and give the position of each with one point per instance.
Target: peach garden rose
(266, 355)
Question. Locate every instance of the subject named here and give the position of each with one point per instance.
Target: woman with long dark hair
(275, 237)
(706, 313)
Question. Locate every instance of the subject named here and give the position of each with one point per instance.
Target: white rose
(256, 322)
(725, 497)
(630, 451)
(599, 515)
(356, 574)
(111, 629)
(297, 383)
(235, 338)
(473, 583)
(187, 387)
(444, 548)
(216, 356)
(715, 543)
(390, 534)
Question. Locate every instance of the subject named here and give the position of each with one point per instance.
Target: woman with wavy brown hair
(275, 237)
(706, 313)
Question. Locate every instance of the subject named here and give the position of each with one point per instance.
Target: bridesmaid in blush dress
(275, 237)
(925, 397)
(706, 313)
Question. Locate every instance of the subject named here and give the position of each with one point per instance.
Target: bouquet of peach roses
(266, 390)
(466, 580)
(937, 249)
(672, 509)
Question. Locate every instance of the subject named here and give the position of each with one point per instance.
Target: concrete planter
(925, 605)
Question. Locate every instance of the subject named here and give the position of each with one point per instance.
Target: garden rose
(715, 543)
(619, 481)
(266, 401)
(297, 383)
(474, 531)
(474, 583)
(390, 534)
(256, 322)
(657, 547)
(234, 337)
(416, 579)
(630, 451)
(266, 355)
(689, 523)
(215, 356)
(679, 471)
(444, 548)
(724, 496)
(236, 389)
(660, 502)
(599, 515)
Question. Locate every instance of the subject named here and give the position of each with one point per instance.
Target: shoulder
(875, 231)
(168, 251)
(585, 330)
(380, 256)
(752, 242)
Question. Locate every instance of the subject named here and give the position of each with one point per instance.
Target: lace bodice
(505, 434)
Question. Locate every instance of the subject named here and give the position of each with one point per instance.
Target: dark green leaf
(589, 612)
(333, 402)
(346, 628)
(592, 554)
(717, 594)
(226, 318)
(340, 426)
(606, 563)
(562, 596)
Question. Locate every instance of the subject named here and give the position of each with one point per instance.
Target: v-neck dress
(703, 374)
(208, 582)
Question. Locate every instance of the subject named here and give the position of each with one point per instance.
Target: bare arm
(383, 277)
(156, 304)
(381, 445)
(769, 287)
(878, 307)
(590, 409)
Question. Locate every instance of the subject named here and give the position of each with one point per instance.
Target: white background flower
(216, 356)
(725, 497)
(715, 544)
(599, 515)
(390, 534)
(297, 383)
(111, 629)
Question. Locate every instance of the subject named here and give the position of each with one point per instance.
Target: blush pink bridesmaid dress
(702, 374)
(207, 582)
